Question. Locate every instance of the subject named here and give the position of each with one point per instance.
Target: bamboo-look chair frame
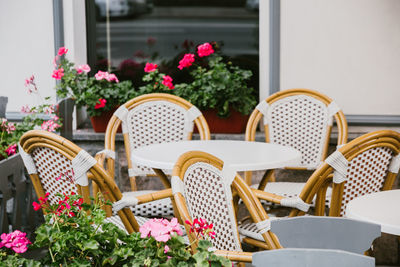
(256, 116)
(105, 183)
(322, 177)
(253, 205)
(115, 123)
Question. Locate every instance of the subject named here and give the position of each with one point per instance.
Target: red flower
(186, 61)
(101, 104)
(201, 227)
(58, 74)
(150, 67)
(167, 81)
(62, 51)
(205, 50)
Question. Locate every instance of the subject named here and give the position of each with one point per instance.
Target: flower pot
(100, 122)
(235, 123)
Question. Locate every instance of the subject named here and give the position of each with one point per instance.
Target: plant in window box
(216, 87)
(75, 234)
(100, 94)
(42, 116)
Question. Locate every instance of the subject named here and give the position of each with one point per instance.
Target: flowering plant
(102, 92)
(213, 83)
(43, 116)
(76, 234)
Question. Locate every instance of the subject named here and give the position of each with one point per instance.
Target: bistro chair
(323, 232)
(311, 257)
(301, 119)
(201, 186)
(150, 119)
(367, 164)
(56, 165)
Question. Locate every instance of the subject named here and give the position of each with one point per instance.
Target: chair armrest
(235, 255)
(267, 196)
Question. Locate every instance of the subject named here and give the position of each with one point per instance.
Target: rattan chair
(150, 119)
(47, 156)
(201, 186)
(302, 119)
(367, 164)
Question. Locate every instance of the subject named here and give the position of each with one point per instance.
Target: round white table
(380, 208)
(239, 155)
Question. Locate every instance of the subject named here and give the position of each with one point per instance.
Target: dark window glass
(125, 34)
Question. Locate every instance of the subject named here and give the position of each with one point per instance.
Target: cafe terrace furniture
(56, 165)
(302, 119)
(380, 208)
(363, 166)
(311, 257)
(201, 186)
(150, 119)
(324, 232)
(240, 155)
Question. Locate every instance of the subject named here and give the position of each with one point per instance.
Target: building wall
(347, 49)
(27, 47)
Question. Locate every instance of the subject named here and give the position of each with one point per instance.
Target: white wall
(26, 48)
(264, 48)
(347, 49)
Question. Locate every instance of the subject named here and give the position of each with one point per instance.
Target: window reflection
(130, 33)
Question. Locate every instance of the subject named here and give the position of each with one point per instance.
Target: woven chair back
(202, 189)
(152, 119)
(367, 164)
(56, 165)
(302, 119)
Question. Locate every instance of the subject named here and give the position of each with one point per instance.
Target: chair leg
(267, 177)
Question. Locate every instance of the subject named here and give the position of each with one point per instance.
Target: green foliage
(86, 91)
(219, 86)
(82, 238)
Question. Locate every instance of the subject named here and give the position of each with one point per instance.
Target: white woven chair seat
(249, 229)
(141, 220)
(290, 189)
(158, 208)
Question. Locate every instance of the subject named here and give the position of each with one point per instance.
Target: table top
(240, 155)
(380, 208)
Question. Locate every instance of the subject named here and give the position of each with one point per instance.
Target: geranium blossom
(11, 150)
(62, 51)
(160, 229)
(104, 75)
(26, 109)
(83, 68)
(30, 84)
(200, 226)
(150, 67)
(42, 202)
(205, 50)
(50, 125)
(186, 61)
(58, 74)
(7, 126)
(16, 240)
(167, 81)
(101, 103)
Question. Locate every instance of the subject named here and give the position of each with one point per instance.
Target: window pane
(134, 32)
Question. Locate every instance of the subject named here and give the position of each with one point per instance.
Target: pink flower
(11, 150)
(186, 61)
(167, 81)
(100, 75)
(101, 104)
(30, 84)
(112, 77)
(83, 68)
(50, 126)
(62, 51)
(36, 206)
(26, 109)
(16, 240)
(10, 127)
(160, 229)
(166, 249)
(58, 74)
(150, 67)
(205, 50)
